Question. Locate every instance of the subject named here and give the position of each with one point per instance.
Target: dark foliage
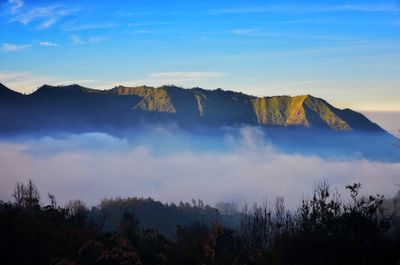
(323, 230)
(153, 214)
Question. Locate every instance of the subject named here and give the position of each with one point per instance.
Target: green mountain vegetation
(322, 230)
(236, 107)
(125, 106)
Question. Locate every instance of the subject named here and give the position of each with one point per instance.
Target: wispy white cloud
(190, 78)
(186, 75)
(135, 14)
(244, 10)
(142, 31)
(9, 47)
(305, 21)
(45, 15)
(306, 9)
(326, 21)
(48, 23)
(91, 26)
(76, 40)
(7, 76)
(16, 5)
(140, 24)
(288, 36)
(47, 44)
(12, 47)
(244, 31)
(369, 8)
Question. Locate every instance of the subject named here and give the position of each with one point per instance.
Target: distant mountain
(6, 92)
(80, 109)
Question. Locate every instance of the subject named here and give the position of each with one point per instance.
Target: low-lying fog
(170, 165)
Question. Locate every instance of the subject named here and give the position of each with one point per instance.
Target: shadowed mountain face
(122, 107)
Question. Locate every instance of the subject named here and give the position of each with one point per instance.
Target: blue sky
(347, 52)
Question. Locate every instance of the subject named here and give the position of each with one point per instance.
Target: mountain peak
(197, 106)
(5, 91)
(73, 88)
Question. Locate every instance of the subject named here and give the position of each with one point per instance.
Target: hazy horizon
(388, 120)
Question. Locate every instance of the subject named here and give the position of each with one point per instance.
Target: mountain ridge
(186, 106)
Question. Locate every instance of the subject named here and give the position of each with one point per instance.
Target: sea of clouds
(243, 167)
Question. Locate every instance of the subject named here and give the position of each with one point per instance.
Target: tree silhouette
(26, 195)
(323, 230)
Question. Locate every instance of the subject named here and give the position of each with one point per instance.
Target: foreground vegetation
(323, 230)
